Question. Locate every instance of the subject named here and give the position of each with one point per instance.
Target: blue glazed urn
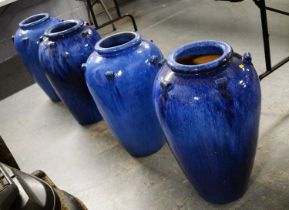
(64, 48)
(207, 100)
(26, 42)
(120, 75)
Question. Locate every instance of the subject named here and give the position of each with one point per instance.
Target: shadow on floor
(13, 77)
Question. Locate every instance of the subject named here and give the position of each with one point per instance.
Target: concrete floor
(90, 163)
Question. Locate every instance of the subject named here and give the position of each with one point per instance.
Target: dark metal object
(119, 16)
(266, 35)
(36, 191)
(6, 156)
(269, 68)
(67, 201)
(21, 191)
(263, 12)
(8, 190)
(105, 10)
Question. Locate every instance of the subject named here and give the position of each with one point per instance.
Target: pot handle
(83, 67)
(166, 87)
(247, 58)
(156, 61)
(110, 75)
(25, 40)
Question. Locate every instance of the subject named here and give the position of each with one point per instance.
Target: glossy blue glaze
(210, 114)
(26, 42)
(120, 75)
(64, 48)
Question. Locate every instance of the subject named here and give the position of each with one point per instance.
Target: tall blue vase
(26, 42)
(120, 75)
(210, 114)
(64, 48)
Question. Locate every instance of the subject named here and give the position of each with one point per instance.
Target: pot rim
(63, 28)
(34, 20)
(117, 42)
(200, 48)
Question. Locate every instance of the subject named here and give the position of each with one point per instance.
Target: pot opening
(197, 59)
(34, 20)
(63, 27)
(116, 40)
(201, 56)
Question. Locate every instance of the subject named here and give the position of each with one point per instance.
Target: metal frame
(111, 21)
(263, 12)
(6, 156)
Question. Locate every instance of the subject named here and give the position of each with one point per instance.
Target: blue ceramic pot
(26, 42)
(64, 48)
(210, 114)
(120, 75)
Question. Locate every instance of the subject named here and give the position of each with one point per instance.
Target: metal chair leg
(90, 7)
(107, 13)
(88, 13)
(111, 20)
(6, 156)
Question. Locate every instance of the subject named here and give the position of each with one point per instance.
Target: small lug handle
(162, 62)
(25, 40)
(51, 44)
(66, 54)
(110, 75)
(156, 61)
(41, 39)
(247, 58)
(222, 83)
(83, 66)
(86, 33)
(166, 87)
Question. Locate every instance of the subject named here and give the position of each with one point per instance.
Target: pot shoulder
(134, 64)
(236, 78)
(66, 54)
(26, 40)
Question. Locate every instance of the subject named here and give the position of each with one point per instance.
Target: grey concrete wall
(21, 9)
